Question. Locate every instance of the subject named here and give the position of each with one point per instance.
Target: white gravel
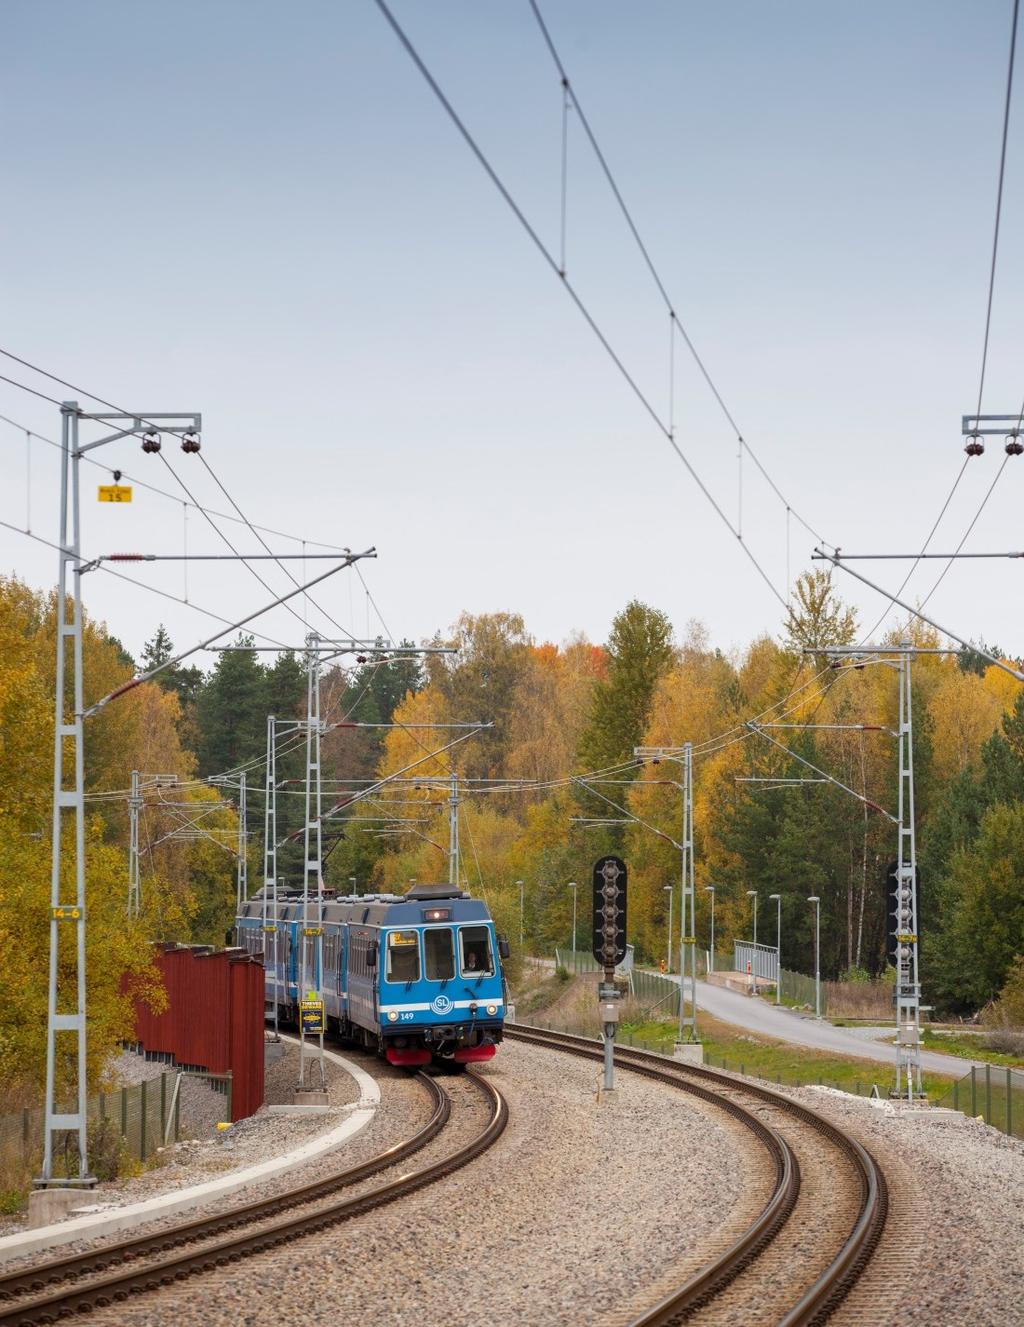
(578, 1205)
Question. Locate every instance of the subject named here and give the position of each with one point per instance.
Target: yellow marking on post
(115, 493)
(66, 914)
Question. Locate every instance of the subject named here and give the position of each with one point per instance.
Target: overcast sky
(260, 212)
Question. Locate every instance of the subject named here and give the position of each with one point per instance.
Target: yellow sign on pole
(115, 493)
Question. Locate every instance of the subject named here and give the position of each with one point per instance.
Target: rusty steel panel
(214, 1017)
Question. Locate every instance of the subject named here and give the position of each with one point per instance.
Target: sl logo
(442, 1005)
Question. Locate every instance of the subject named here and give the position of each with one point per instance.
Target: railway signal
(609, 948)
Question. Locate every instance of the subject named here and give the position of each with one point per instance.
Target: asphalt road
(757, 1015)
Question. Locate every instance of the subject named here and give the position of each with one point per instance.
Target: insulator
(190, 442)
(974, 445)
(1014, 446)
(151, 442)
(360, 658)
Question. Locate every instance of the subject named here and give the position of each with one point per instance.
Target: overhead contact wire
(581, 307)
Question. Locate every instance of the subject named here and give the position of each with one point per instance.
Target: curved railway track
(850, 1223)
(79, 1283)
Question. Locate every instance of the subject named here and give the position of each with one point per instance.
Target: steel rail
(234, 1237)
(830, 1288)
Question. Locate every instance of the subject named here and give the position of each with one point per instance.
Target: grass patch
(970, 1046)
(728, 1047)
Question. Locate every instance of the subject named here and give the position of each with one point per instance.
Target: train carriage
(418, 977)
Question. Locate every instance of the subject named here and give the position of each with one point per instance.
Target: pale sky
(260, 212)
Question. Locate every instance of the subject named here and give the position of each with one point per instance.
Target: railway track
(80, 1283)
(812, 1238)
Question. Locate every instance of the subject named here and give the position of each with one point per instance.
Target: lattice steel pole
(453, 830)
(134, 807)
(270, 932)
(688, 955)
(908, 987)
(67, 960)
(312, 876)
(242, 865)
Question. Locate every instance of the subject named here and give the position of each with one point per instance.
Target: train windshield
(403, 956)
(475, 951)
(439, 952)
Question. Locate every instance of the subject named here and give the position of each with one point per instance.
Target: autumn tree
(818, 618)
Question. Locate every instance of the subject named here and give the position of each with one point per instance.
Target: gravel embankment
(576, 1206)
(951, 1251)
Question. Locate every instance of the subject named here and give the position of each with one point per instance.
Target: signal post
(609, 949)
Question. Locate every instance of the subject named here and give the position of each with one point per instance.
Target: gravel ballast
(577, 1204)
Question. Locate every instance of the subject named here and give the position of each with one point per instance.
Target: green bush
(563, 974)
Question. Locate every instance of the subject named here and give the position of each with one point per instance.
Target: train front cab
(441, 992)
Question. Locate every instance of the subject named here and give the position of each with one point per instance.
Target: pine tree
(639, 653)
(232, 710)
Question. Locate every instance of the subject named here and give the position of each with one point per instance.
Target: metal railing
(763, 960)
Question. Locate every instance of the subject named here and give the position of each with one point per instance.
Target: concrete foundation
(690, 1052)
(48, 1205)
(311, 1099)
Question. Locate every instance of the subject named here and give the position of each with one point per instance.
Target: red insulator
(1014, 446)
(151, 442)
(190, 442)
(974, 445)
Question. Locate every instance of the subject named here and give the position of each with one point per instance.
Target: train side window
(439, 954)
(403, 963)
(475, 951)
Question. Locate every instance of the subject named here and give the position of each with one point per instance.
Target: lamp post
(817, 953)
(521, 905)
(752, 895)
(710, 889)
(572, 886)
(778, 946)
(669, 890)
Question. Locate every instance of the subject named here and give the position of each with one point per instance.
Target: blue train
(418, 978)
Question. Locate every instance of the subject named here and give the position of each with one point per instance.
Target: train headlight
(492, 1009)
(392, 1017)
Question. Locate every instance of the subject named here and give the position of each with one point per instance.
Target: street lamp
(710, 889)
(521, 905)
(572, 886)
(669, 890)
(817, 953)
(752, 895)
(778, 946)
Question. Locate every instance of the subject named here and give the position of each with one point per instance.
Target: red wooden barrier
(214, 1017)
